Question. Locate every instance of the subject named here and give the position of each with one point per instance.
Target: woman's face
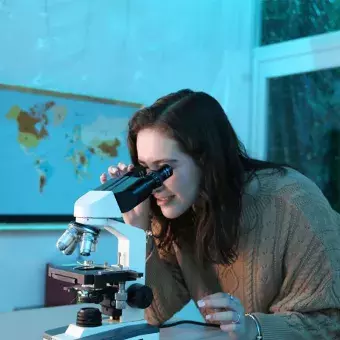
(179, 192)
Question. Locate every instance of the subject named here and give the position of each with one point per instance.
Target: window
(304, 126)
(284, 20)
(296, 90)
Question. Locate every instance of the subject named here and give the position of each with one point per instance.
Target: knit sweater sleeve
(308, 304)
(164, 277)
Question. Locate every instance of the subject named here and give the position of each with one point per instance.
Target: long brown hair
(200, 126)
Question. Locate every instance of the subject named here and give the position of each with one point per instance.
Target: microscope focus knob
(89, 317)
(139, 296)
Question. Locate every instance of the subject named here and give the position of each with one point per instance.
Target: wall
(127, 50)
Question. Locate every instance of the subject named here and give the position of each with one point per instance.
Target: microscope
(119, 289)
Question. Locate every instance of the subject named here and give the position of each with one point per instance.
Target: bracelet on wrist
(258, 327)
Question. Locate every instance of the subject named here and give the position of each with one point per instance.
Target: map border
(28, 219)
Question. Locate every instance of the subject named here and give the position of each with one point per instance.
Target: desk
(31, 325)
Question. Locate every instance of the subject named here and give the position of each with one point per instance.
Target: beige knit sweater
(288, 269)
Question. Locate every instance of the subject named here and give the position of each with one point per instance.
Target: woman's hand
(139, 216)
(229, 313)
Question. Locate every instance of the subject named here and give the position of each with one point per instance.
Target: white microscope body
(97, 210)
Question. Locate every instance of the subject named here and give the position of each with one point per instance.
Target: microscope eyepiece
(153, 180)
(140, 188)
(160, 175)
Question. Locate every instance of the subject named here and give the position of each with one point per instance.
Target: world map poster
(54, 148)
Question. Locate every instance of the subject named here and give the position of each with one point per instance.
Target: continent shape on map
(84, 143)
(33, 129)
(32, 124)
(45, 171)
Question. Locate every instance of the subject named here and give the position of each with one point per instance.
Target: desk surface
(31, 325)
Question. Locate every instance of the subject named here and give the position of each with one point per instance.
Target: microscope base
(118, 331)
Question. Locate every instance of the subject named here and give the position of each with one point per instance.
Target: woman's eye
(148, 170)
(151, 170)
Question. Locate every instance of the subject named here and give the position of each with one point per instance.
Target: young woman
(256, 245)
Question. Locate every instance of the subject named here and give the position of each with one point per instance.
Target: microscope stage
(98, 276)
